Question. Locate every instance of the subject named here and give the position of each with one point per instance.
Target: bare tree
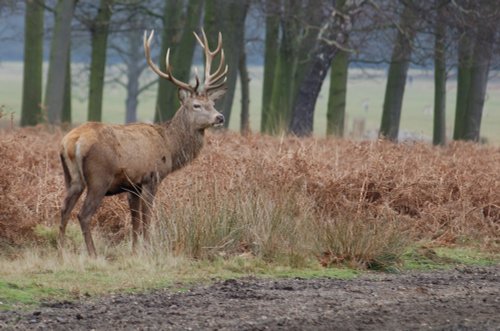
(335, 114)
(228, 16)
(333, 34)
(465, 48)
(272, 14)
(440, 75)
(31, 113)
(486, 16)
(59, 61)
(131, 19)
(7, 6)
(7, 9)
(129, 49)
(398, 69)
(99, 29)
(483, 51)
(284, 84)
(245, 93)
(171, 35)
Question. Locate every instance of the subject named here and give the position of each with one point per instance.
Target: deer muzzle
(219, 120)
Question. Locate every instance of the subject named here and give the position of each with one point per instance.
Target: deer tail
(72, 161)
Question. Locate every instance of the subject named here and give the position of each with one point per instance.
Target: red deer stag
(135, 158)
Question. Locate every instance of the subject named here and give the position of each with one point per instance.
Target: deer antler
(167, 75)
(217, 79)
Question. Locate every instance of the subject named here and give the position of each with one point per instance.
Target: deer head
(197, 105)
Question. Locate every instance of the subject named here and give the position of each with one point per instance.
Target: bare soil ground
(465, 298)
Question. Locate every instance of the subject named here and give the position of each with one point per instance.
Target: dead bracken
(307, 186)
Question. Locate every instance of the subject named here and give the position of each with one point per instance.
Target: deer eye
(197, 106)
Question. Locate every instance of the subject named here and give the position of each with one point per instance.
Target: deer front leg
(149, 190)
(134, 202)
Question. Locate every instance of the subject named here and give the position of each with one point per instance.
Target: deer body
(117, 153)
(111, 159)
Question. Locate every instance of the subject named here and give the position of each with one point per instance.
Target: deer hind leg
(134, 202)
(74, 192)
(74, 189)
(92, 201)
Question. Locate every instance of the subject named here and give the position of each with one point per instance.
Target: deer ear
(217, 94)
(183, 95)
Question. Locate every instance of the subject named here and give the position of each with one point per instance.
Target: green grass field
(364, 102)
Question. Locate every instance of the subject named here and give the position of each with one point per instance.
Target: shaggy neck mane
(186, 141)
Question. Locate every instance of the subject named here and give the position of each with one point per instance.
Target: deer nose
(219, 119)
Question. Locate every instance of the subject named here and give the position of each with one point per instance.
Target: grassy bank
(34, 276)
(41, 275)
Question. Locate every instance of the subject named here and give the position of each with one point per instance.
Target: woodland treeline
(300, 41)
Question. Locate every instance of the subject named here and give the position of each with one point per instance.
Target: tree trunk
(270, 59)
(310, 15)
(59, 52)
(182, 57)
(31, 113)
(483, 51)
(333, 32)
(396, 80)
(286, 66)
(211, 20)
(99, 33)
(465, 48)
(227, 16)
(66, 111)
(131, 103)
(335, 113)
(245, 94)
(134, 70)
(233, 24)
(171, 35)
(133, 73)
(439, 131)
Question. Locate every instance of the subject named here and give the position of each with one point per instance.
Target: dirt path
(467, 298)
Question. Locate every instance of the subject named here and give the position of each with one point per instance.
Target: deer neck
(185, 140)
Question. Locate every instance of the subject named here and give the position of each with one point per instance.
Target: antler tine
(208, 57)
(174, 80)
(219, 44)
(216, 86)
(147, 44)
(167, 75)
(199, 40)
(217, 75)
(196, 78)
(221, 71)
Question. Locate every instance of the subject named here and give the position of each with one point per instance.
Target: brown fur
(135, 158)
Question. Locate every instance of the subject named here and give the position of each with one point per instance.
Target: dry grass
(279, 199)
